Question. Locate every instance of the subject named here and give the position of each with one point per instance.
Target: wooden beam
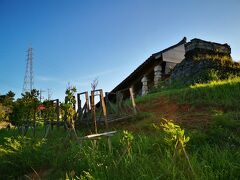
(58, 112)
(87, 100)
(111, 133)
(93, 110)
(133, 100)
(79, 102)
(104, 108)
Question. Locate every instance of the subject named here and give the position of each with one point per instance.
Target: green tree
(25, 108)
(49, 113)
(69, 112)
(6, 107)
(2, 112)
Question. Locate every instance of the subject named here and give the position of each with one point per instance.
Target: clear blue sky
(77, 40)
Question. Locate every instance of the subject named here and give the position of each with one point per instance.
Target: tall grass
(222, 93)
(215, 93)
(213, 152)
(150, 158)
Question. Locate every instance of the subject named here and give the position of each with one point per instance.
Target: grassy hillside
(209, 113)
(218, 93)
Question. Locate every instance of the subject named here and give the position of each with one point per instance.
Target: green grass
(213, 155)
(225, 94)
(213, 151)
(216, 93)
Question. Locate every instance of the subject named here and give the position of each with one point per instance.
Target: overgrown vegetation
(205, 67)
(25, 108)
(6, 105)
(162, 150)
(133, 156)
(68, 107)
(220, 93)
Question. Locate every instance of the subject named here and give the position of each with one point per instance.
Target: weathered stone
(202, 56)
(190, 70)
(169, 67)
(197, 46)
(144, 85)
(157, 75)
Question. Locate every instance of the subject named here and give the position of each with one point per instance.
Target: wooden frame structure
(89, 108)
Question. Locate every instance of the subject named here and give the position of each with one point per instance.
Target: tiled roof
(150, 60)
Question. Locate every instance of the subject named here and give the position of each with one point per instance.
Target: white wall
(175, 55)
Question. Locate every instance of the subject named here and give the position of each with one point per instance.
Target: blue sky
(77, 40)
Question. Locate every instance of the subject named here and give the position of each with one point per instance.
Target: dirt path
(183, 114)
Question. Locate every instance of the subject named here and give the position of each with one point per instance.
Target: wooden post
(58, 112)
(79, 102)
(81, 114)
(87, 100)
(104, 108)
(87, 107)
(119, 100)
(133, 101)
(51, 118)
(106, 98)
(79, 109)
(51, 123)
(93, 111)
(34, 126)
(109, 144)
(45, 126)
(74, 106)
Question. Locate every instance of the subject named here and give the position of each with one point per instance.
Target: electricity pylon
(28, 78)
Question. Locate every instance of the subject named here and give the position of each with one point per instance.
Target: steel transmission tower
(28, 78)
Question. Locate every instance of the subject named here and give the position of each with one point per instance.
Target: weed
(212, 151)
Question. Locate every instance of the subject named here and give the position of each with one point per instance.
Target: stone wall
(169, 67)
(202, 57)
(198, 47)
(188, 68)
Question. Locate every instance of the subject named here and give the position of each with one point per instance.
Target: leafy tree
(68, 106)
(49, 112)
(8, 99)
(2, 112)
(6, 106)
(25, 108)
